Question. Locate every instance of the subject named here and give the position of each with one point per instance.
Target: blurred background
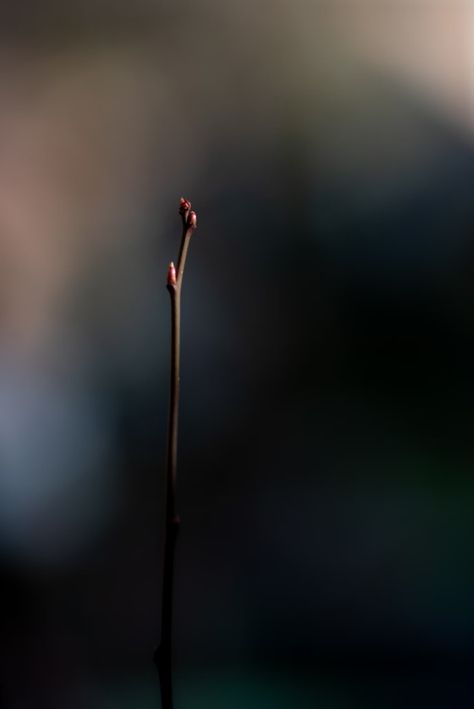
(326, 554)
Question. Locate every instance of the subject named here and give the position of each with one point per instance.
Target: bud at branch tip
(184, 206)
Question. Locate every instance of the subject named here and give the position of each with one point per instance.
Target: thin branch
(163, 655)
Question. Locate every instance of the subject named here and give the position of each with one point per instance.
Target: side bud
(171, 275)
(192, 220)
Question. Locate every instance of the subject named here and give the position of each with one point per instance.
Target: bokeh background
(326, 557)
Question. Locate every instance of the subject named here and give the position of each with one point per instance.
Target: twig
(163, 655)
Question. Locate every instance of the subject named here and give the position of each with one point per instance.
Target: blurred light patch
(55, 468)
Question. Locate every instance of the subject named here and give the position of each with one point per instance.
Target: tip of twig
(171, 274)
(184, 206)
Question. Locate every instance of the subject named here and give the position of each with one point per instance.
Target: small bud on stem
(184, 205)
(192, 220)
(171, 274)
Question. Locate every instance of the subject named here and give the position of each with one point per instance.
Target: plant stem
(163, 655)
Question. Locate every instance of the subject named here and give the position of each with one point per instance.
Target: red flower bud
(184, 205)
(171, 275)
(192, 220)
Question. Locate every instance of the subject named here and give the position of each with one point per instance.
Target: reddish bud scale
(184, 205)
(171, 274)
(192, 220)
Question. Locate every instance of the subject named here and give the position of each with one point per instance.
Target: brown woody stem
(163, 655)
